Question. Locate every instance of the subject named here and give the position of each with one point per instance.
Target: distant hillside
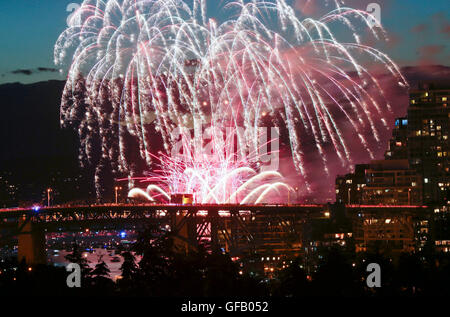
(35, 153)
(29, 122)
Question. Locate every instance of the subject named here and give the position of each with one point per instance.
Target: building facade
(397, 147)
(428, 144)
(349, 187)
(392, 182)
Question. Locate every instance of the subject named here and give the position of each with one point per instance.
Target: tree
(101, 270)
(129, 268)
(100, 275)
(155, 266)
(411, 274)
(77, 257)
(335, 276)
(221, 275)
(292, 281)
(130, 273)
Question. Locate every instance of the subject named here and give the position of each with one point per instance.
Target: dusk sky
(419, 32)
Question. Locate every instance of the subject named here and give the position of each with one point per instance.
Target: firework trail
(138, 69)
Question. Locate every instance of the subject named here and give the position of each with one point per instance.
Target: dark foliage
(165, 271)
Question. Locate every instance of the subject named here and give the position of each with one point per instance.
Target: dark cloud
(446, 29)
(432, 49)
(442, 23)
(28, 72)
(47, 69)
(308, 7)
(428, 54)
(419, 28)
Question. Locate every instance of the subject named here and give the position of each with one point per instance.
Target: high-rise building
(423, 139)
(428, 144)
(397, 147)
(349, 187)
(382, 182)
(392, 182)
(415, 172)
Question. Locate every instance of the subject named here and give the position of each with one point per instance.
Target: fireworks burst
(211, 179)
(140, 68)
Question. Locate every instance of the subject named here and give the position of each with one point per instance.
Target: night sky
(419, 31)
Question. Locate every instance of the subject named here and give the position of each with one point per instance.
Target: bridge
(232, 226)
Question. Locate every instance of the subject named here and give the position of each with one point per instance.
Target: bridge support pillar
(185, 237)
(31, 244)
(214, 218)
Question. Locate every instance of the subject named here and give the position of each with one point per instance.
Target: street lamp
(348, 196)
(116, 189)
(49, 190)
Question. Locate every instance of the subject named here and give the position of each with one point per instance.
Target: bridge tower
(31, 243)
